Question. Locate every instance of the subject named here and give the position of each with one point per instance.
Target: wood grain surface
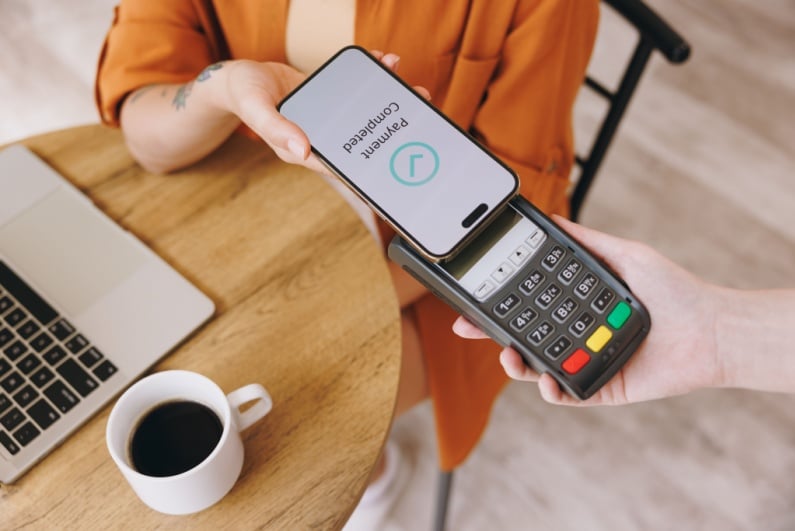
(305, 306)
(702, 169)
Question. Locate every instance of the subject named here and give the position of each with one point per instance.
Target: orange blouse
(507, 71)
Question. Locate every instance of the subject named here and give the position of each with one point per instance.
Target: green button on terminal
(619, 315)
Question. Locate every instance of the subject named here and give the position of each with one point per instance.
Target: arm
(173, 125)
(755, 332)
(701, 336)
(170, 126)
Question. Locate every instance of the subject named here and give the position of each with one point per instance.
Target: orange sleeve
(526, 116)
(150, 42)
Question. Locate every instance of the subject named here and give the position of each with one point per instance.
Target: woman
(179, 77)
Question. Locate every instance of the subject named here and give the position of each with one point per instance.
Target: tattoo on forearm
(181, 97)
(143, 90)
(205, 74)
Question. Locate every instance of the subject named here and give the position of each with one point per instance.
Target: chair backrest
(653, 34)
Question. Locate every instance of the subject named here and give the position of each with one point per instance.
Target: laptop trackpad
(69, 250)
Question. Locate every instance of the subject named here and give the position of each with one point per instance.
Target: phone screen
(421, 173)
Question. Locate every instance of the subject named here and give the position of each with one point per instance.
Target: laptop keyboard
(46, 365)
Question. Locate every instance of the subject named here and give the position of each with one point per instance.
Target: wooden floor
(704, 170)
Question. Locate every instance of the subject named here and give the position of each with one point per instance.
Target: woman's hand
(679, 354)
(253, 92)
(170, 126)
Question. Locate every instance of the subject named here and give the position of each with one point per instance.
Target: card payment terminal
(531, 286)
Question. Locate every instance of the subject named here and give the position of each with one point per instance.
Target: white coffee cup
(209, 481)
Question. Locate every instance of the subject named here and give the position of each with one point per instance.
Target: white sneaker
(379, 497)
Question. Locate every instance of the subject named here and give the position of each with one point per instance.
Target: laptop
(85, 309)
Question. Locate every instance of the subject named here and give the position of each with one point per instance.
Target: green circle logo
(414, 163)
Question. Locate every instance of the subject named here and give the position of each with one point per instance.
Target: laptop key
(8, 443)
(62, 329)
(77, 343)
(41, 341)
(15, 350)
(55, 355)
(12, 419)
(90, 357)
(4, 366)
(25, 396)
(5, 304)
(6, 335)
(15, 316)
(12, 382)
(28, 329)
(5, 402)
(105, 370)
(61, 396)
(26, 433)
(28, 363)
(41, 377)
(43, 414)
(77, 377)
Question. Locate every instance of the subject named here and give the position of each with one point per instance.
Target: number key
(506, 305)
(586, 285)
(583, 323)
(552, 258)
(540, 333)
(531, 282)
(568, 273)
(564, 311)
(547, 297)
(523, 319)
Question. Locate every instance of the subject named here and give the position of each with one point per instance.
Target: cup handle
(245, 394)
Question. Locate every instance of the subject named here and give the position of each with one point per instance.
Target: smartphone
(427, 178)
(531, 286)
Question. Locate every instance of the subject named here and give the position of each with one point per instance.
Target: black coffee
(174, 437)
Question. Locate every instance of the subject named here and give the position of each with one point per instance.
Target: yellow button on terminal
(599, 339)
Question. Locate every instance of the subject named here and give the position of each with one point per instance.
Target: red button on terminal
(576, 361)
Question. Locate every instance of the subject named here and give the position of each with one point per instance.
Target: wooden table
(305, 306)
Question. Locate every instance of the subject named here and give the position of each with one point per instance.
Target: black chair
(653, 34)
